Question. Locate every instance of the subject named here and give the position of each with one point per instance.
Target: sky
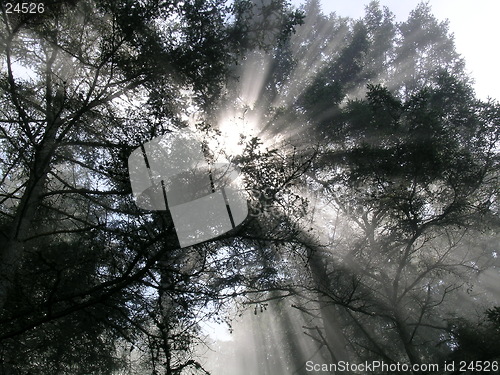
(474, 23)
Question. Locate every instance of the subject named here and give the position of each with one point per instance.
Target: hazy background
(474, 24)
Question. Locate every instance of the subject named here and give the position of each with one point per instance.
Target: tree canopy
(369, 166)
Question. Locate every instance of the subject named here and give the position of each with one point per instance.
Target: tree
(375, 213)
(416, 183)
(77, 257)
(74, 250)
(405, 175)
(476, 341)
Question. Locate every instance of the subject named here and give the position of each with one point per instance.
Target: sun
(234, 133)
(236, 129)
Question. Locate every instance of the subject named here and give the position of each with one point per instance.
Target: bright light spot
(22, 71)
(236, 130)
(216, 331)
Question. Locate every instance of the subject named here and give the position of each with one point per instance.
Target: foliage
(374, 216)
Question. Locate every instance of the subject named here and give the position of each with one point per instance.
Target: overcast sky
(475, 24)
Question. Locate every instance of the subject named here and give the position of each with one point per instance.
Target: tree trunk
(11, 254)
(333, 334)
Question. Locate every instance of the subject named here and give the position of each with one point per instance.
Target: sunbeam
(242, 187)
